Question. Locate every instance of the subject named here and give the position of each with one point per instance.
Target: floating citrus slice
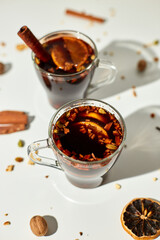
(77, 49)
(94, 126)
(61, 57)
(94, 115)
(141, 218)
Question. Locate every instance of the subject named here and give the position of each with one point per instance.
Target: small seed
(30, 162)
(10, 168)
(102, 111)
(55, 130)
(117, 186)
(155, 179)
(19, 159)
(21, 47)
(92, 57)
(7, 223)
(111, 146)
(20, 143)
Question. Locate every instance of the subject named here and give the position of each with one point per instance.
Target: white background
(26, 192)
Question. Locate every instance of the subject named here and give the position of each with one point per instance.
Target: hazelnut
(38, 226)
(2, 68)
(142, 64)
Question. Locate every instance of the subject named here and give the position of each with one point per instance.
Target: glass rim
(70, 74)
(76, 160)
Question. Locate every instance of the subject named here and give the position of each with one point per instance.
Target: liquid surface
(87, 133)
(69, 55)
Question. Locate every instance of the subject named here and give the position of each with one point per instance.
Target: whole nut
(2, 68)
(38, 226)
(142, 64)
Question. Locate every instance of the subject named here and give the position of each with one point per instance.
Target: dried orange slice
(61, 57)
(94, 126)
(77, 49)
(141, 218)
(94, 115)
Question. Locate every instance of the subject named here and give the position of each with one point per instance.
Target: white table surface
(26, 192)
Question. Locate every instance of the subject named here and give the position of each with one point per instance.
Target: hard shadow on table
(52, 224)
(125, 55)
(8, 67)
(142, 152)
(30, 120)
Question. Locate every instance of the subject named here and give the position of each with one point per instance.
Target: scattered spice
(31, 162)
(156, 42)
(46, 176)
(155, 179)
(152, 115)
(117, 186)
(122, 77)
(81, 233)
(10, 168)
(19, 159)
(2, 68)
(20, 143)
(21, 47)
(84, 15)
(156, 59)
(6, 214)
(138, 52)
(3, 44)
(141, 66)
(7, 223)
(134, 92)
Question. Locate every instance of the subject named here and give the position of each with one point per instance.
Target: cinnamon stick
(84, 15)
(13, 117)
(32, 42)
(12, 128)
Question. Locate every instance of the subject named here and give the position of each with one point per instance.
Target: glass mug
(82, 174)
(62, 88)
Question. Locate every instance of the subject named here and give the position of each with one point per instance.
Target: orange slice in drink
(141, 218)
(94, 115)
(69, 52)
(94, 126)
(61, 57)
(77, 49)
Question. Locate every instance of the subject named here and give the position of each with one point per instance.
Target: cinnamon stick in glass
(32, 42)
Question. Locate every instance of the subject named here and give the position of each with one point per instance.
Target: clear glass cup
(61, 89)
(83, 174)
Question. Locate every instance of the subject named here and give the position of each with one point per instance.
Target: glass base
(85, 182)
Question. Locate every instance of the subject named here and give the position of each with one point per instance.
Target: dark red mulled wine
(67, 76)
(69, 55)
(87, 133)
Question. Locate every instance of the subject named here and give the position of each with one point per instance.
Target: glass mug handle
(109, 77)
(32, 150)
